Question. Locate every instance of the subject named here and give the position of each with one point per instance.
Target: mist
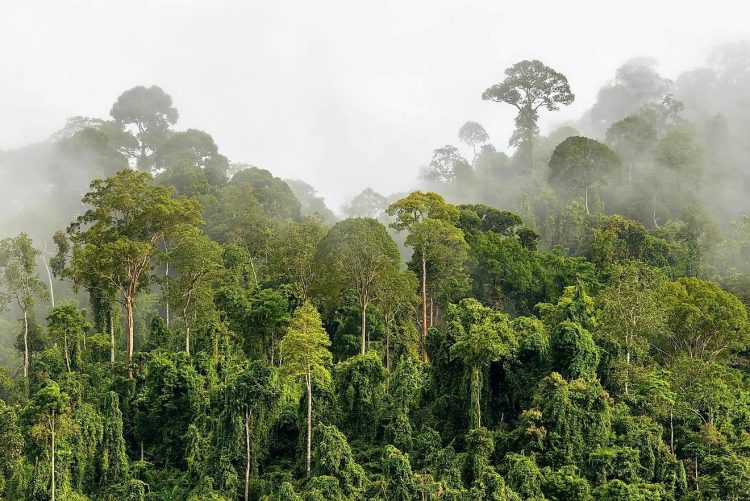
(341, 96)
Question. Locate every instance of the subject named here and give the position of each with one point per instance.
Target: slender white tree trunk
(424, 306)
(25, 343)
(364, 329)
(49, 281)
(111, 337)
(309, 422)
(131, 334)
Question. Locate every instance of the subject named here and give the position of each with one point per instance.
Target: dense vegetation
(566, 323)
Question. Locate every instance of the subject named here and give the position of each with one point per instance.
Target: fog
(343, 95)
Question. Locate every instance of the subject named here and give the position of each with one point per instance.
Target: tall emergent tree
(473, 134)
(117, 238)
(21, 281)
(529, 86)
(435, 239)
(359, 255)
(306, 358)
(150, 110)
(583, 163)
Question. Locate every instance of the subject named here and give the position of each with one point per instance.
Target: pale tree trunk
(476, 383)
(309, 422)
(424, 306)
(67, 356)
(25, 343)
(187, 330)
(49, 281)
(52, 428)
(387, 344)
(586, 198)
(432, 312)
(131, 336)
(364, 329)
(111, 337)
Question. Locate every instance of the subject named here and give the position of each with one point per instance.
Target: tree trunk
(423, 340)
(432, 312)
(387, 344)
(309, 422)
(166, 285)
(364, 329)
(627, 370)
(248, 451)
(52, 427)
(67, 356)
(131, 336)
(111, 337)
(586, 198)
(187, 330)
(49, 280)
(477, 387)
(25, 343)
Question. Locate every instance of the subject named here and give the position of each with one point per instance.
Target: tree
(306, 358)
(447, 164)
(582, 163)
(629, 310)
(50, 409)
(529, 86)
(22, 284)
(396, 296)
(68, 325)
(359, 255)
(703, 320)
(197, 260)
(292, 250)
(632, 139)
(430, 222)
(193, 148)
(473, 134)
(274, 195)
(368, 203)
(151, 112)
(252, 391)
(116, 240)
(482, 337)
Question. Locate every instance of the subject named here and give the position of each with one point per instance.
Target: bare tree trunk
(131, 335)
(423, 340)
(387, 344)
(586, 198)
(309, 422)
(478, 389)
(111, 337)
(49, 280)
(166, 285)
(25, 343)
(52, 427)
(432, 312)
(67, 356)
(187, 330)
(364, 329)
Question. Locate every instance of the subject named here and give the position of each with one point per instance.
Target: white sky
(342, 94)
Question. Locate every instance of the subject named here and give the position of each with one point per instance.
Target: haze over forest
(390, 251)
